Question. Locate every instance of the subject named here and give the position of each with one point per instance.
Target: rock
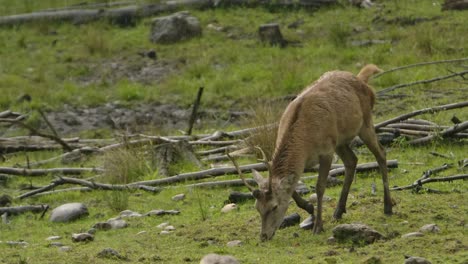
(56, 244)
(356, 233)
(102, 226)
(162, 225)
(17, 243)
(165, 232)
(5, 200)
(128, 213)
(218, 259)
(362, 3)
(412, 234)
(92, 231)
(65, 249)
(169, 228)
(455, 5)
(331, 240)
(228, 207)
(313, 198)
(178, 197)
(160, 212)
(68, 212)
(53, 238)
(290, 220)
(234, 243)
(308, 223)
(82, 237)
(416, 260)
(173, 28)
(271, 34)
(110, 253)
(117, 223)
(301, 188)
(429, 228)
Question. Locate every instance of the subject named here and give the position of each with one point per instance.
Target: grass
(50, 62)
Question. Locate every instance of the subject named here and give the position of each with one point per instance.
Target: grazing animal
(323, 119)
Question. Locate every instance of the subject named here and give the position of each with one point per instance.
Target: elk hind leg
(369, 138)
(350, 161)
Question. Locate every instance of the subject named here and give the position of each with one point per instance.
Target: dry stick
(422, 111)
(417, 127)
(23, 209)
(337, 170)
(42, 172)
(445, 133)
(193, 116)
(83, 150)
(419, 64)
(440, 78)
(428, 180)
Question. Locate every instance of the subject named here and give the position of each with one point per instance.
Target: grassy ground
(238, 72)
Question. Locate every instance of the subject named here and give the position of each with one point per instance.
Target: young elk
(322, 120)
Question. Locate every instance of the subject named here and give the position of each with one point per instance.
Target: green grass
(48, 61)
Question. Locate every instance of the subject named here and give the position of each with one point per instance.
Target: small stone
(162, 225)
(92, 231)
(313, 198)
(141, 233)
(17, 243)
(331, 240)
(68, 212)
(356, 233)
(290, 220)
(56, 244)
(308, 223)
(417, 260)
(412, 234)
(165, 232)
(110, 253)
(160, 212)
(82, 237)
(53, 238)
(218, 259)
(65, 249)
(117, 223)
(178, 197)
(102, 226)
(128, 213)
(229, 207)
(234, 243)
(169, 228)
(429, 228)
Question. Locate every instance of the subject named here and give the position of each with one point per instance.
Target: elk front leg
(325, 164)
(350, 161)
(303, 204)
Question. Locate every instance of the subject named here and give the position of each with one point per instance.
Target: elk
(323, 119)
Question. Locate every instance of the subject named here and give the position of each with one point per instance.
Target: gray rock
(234, 243)
(218, 259)
(228, 207)
(56, 244)
(65, 249)
(173, 28)
(159, 212)
(110, 253)
(128, 213)
(68, 212)
(313, 198)
(417, 260)
(102, 226)
(162, 225)
(53, 238)
(412, 234)
(271, 34)
(82, 237)
(356, 233)
(165, 232)
(429, 228)
(117, 223)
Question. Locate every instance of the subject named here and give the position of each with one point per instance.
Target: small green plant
(96, 42)
(117, 200)
(124, 165)
(339, 34)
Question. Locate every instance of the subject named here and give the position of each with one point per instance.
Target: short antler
(267, 164)
(251, 188)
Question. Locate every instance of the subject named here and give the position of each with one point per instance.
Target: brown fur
(322, 120)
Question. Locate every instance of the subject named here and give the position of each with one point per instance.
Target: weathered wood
(422, 111)
(418, 184)
(42, 172)
(23, 209)
(445, 133)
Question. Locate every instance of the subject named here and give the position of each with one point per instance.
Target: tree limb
(418, 184)
(418, 64)
(22, 209)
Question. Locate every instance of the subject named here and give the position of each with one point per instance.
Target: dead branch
(193, 116)
(23, 209)
(422, 111)
(42, 172)
(419, 184)
(417, 127)
(443, 134)
(440, 78)
(419, 64)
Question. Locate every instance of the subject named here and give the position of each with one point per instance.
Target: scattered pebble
(218, 259)
(53, 238)
(17, 243)
(82, 237)
(308, 223)
(102, 226)
(159, 212)
(117, 223)
(169, 228)
(56, 244)
(229, 207)
(178, 197)
(331, 240)
(429, 228)
(234, 243)
(313, 198)
(65, 249)
(165, 232)
(417, 260)
(128, 213)
(110, 253)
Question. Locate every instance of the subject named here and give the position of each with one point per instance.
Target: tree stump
(168, 154)
(455, 5)
(271, 34)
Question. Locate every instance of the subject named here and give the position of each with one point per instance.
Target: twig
(445, 133)
(422, 111)
(419, 64)
(193, 116)
(440, 78)
(428, 180)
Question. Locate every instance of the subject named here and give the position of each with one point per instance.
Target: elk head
(272, 199)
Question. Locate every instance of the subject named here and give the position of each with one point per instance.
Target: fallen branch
(422, 111)
(419, 184)
(23, 209)
(419, 64)
(443, 134)
(440, 78)
(42, 172)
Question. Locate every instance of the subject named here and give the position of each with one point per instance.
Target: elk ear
(258, 178)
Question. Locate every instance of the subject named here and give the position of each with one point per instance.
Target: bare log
(445, 133)
(42, 172)
(418, 184)
(23, 209)
(440, 78)
(422, 111)
(419, 64)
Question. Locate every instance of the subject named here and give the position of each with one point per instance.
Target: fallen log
(23, 209)
(42, 172)
(419, 184)
(443, 134)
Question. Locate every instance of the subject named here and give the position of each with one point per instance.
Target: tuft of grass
(124, 165)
